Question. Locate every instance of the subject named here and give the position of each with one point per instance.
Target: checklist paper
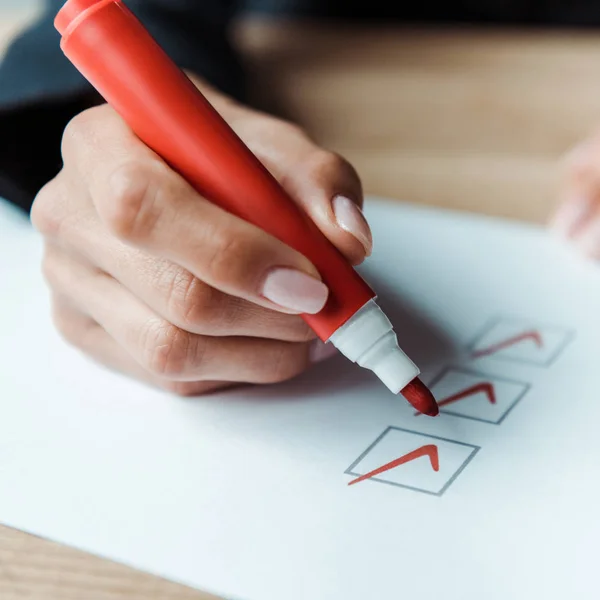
(329, 487)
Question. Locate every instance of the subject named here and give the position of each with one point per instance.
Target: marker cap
(369, 340)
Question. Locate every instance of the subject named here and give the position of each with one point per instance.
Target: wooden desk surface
(471, 120)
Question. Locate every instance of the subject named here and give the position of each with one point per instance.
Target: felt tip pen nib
(418, 394)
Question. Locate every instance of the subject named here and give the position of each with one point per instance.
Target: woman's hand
(578, 216)
(151, 279)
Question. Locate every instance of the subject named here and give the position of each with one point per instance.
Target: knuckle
(50, 267)
(228, 248)
(167, 350)
(190, 302)
(76, 130)
(327, 168)
(86, 129)
(44, 216)
(132, 210)
(325, 163)
(80, 130)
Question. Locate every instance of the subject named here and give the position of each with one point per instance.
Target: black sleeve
(40, 91)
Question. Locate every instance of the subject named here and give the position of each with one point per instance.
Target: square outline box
(474, 451)
(445, 371)
(569, 336)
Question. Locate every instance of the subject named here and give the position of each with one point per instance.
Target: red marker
(115, 53)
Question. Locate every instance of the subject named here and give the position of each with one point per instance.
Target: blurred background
(471, 118)
(19, 3)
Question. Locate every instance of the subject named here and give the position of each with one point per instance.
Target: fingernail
(351, 219)
(295, 290)
(589, 243)
(571, 215)
(320, 351)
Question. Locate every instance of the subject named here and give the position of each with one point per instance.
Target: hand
(152, 280)
(578, 216)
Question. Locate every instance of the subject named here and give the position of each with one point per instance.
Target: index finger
(146, 204)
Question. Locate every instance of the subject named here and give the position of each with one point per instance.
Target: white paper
(246, 494)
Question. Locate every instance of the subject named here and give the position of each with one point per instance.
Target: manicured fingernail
(320, 351)
(571, 215)
(589, 242)
(351, 219)
(295, 290)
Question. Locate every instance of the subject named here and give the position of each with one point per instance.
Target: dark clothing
(40, 91)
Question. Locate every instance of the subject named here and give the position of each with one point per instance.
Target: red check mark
(486, 387)
(430, 450)
(534, 336)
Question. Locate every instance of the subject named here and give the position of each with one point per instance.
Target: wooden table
(476, 120)
(472, 120)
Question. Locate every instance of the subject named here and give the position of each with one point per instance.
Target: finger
(146, 204)
(83, 333)
(162, 349)
(87, 336)
(170, 290)
(324, 184)
(580, 198)
(587, 239)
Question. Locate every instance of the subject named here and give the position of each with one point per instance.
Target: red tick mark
(486, 387)
(528, 335)
(429, 450)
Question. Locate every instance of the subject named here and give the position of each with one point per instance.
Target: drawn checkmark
(486, 387)
(430, 450)
(533, 335)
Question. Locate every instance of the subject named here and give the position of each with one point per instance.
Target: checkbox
(412, 460)
(477, 396)
(522, 341)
